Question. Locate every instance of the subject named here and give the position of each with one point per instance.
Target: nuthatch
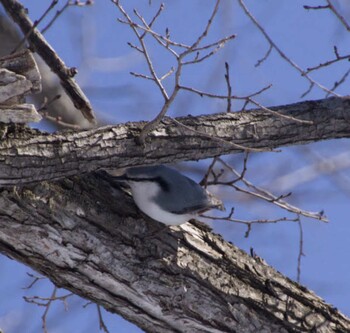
(166, 195)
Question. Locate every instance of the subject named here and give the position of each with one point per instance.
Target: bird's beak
(215, 202)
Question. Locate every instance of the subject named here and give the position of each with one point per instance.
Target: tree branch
(48, 54)
(28, 156)
(89, 238)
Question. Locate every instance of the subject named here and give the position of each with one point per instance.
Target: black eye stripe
(162, 183)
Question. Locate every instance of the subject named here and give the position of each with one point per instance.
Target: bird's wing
(200, 208)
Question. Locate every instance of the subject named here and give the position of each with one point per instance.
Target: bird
(166, 195)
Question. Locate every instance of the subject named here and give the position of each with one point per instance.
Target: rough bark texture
(38, 43)
(88, 237)
(30, 156)
(62, 107)
(19, 76)
(22, 63)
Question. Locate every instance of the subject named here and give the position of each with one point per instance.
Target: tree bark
(28, 156)
(38, 43)
(88, 237)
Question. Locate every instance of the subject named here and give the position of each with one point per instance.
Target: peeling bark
(19, 76)
(37, 41)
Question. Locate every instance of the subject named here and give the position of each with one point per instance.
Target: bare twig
(102, 324)
(165, 41)
(204, 181)
(280, 52)
(55, 17)
(241, 177)
(47, 102)
(260, 61)
(338, 15)
(263, 194)
(35, 280)
(278, 114)
(301, 249)
(193, 47)
(152, 124)
(143, 49)
(58, 120)
(35, 24)
(210, 95)
(341, 81)
(229, 88)
(217, 46)
(248, 223)
(46, 302)
(149, 26)
(55, 119)
(44, 316)
(316, 7)
(142, 76)
(248, 99)
(329, 62)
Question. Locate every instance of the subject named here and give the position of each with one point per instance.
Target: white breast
(143, 194)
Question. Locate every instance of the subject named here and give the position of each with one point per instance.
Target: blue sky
(92, 40)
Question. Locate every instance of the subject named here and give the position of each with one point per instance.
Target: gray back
(179, 194)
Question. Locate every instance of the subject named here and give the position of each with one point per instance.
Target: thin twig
(102, 324)
(229, 88)
(278, 114)
(161, 7)
(223, 40)
(56, 16)
(35, 24)
(35, 280)
(46, 302)
(328, 63)
(263, 194)
(44, 316)
(58, 120)
(204, 181)
(165, 41)
(316, 7)
(144, 50)
(338, 15)
(248, 223)
(210, 95)
(341, 81)
(142, 76)
(199, 59)
(260, 61)
(55, 119)
(280, 52)
(154, 123)
(301, 249)
(248, 100)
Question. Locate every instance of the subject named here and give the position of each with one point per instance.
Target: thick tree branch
(89, 238)
(29, 156)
